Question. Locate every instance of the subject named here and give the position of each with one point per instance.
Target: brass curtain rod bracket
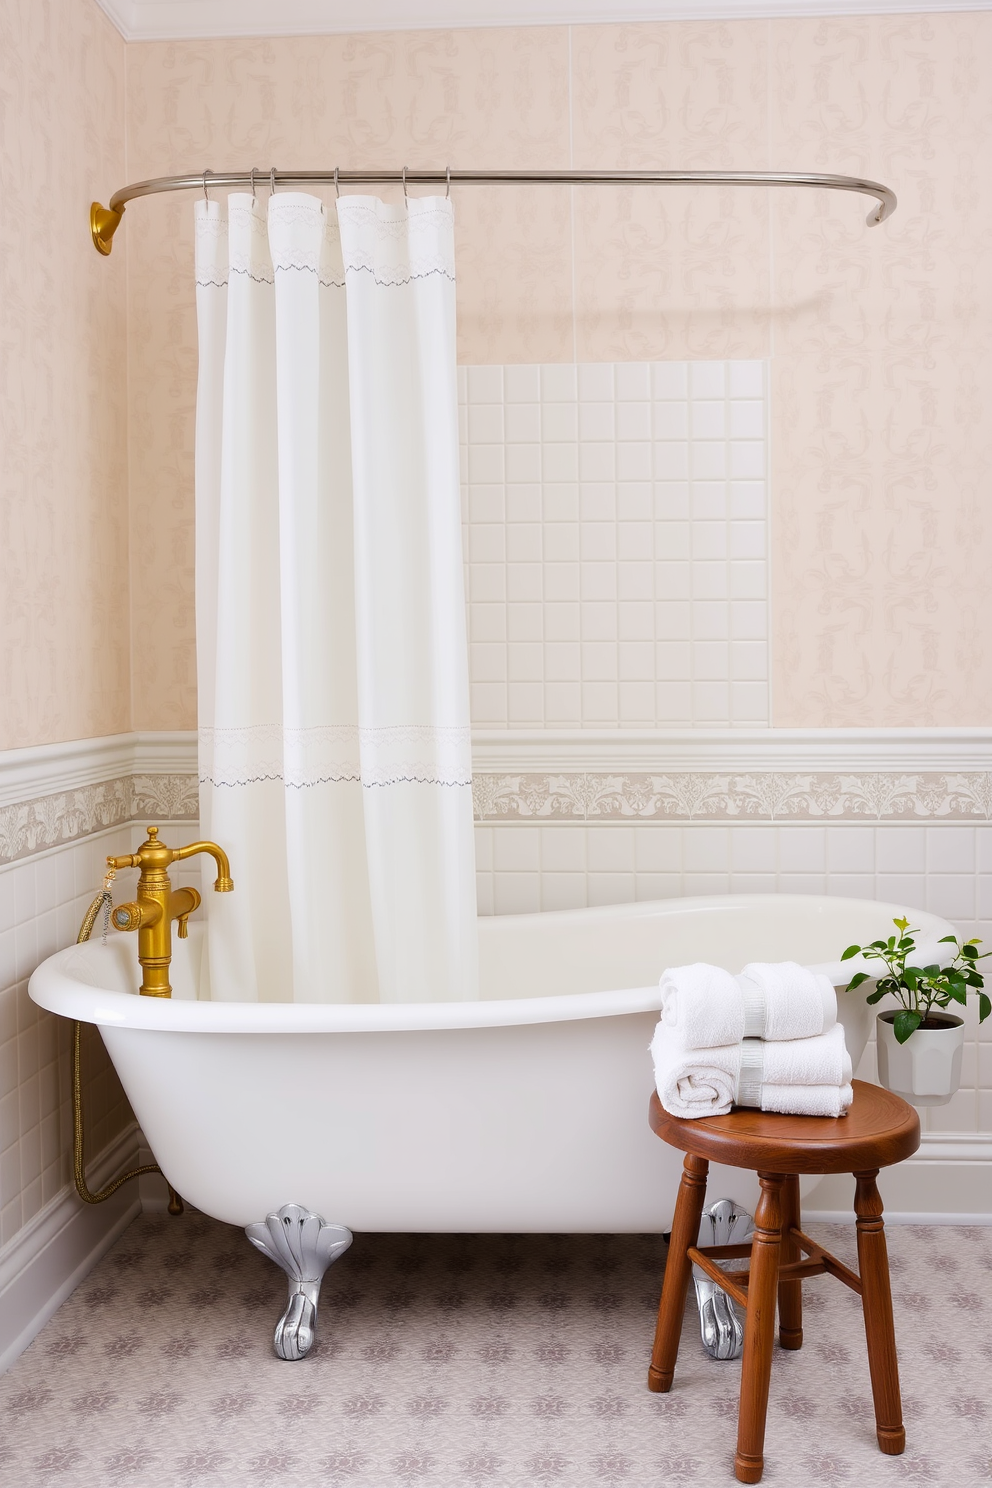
(104, 221)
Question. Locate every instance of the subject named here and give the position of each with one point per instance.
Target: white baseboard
(897, 1217)
(948, 1182)
(50, 1256)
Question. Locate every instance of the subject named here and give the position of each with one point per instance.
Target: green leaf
(875, 996)
(958, 993)
(970, 951)
(905, 1023)
(851, 951)
(948, 940)
(984, 1006)
(856, 981)
(900, 924)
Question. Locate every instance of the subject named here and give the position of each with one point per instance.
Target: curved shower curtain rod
(104, 221)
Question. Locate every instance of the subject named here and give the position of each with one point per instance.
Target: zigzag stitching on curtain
(247, 273)
(328, 283)
(334, 780)
(396, 283)
(309, 269)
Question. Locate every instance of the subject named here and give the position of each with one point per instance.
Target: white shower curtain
(335, 763)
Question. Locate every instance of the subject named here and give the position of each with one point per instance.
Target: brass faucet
(158, 904)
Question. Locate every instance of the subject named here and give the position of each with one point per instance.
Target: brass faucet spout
(224, 883)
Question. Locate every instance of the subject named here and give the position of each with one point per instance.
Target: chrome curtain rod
(104, 220)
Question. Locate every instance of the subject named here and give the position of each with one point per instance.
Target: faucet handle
(136, 916)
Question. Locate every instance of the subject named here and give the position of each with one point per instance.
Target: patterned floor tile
(500, 1361)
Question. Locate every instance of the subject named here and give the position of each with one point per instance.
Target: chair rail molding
(54, 794)
(736, 749)
(57, 793)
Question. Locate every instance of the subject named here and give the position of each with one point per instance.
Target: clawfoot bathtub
(523, 1111)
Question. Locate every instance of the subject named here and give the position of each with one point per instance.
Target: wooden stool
(880, 1129)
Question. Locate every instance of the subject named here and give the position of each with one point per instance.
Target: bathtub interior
(569, 952)
(630, 945)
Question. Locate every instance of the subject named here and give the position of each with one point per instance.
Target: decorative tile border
(710, 796)
(59, 793)
(32, 826)
(28, 827)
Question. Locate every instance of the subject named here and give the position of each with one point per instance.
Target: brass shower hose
(78, 1161)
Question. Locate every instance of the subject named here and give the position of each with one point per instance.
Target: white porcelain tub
(524, 1111)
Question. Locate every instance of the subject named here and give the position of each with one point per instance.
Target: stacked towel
(799, 1064)
(709, 1007)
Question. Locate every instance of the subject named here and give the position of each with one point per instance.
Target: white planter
(926, 1069)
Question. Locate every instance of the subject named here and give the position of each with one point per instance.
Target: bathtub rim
(55, 989)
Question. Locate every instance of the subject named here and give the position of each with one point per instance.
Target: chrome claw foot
(723, 1223)
(304, 1245)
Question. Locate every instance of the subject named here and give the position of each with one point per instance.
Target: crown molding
(192, 20)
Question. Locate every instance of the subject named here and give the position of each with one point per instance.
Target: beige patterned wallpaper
(64, 628)
(881, 342)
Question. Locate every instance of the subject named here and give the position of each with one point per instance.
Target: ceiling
(157, 20)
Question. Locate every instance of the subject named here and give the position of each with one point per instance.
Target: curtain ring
(447, 179)
(206, 173)
(405, 197)
(252, 179)
(337, 188)
(272, 181)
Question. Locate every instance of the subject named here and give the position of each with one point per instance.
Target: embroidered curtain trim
(306, 757)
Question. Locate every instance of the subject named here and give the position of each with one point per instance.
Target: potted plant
(920, 1043)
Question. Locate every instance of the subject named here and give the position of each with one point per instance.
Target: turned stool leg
(678, 1270)
(759, 1330)
(873, 1263)
(790, 1293)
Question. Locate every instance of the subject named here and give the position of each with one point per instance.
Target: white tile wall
(42, 902)
(616, 544)
(945, 869)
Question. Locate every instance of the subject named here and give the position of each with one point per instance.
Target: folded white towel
(709, 1007)
(798, 1003)
(704, 1003)
(806, 1076)
(807, 1100)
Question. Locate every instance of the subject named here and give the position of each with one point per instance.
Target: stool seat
(880, 1129)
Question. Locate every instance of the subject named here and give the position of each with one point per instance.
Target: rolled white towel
(707, 1082)
(797, 1003)
(710, 1007)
